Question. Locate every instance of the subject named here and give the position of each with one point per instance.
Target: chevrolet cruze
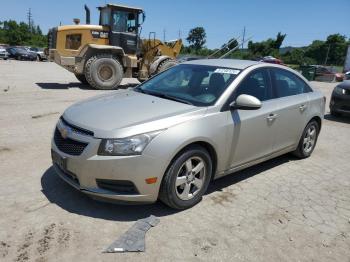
(169, 137)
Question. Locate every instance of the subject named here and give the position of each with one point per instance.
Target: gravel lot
(281, 210)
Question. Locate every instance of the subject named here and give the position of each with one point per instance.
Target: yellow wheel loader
(101, 55)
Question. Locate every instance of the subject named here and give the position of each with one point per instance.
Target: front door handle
(271, 117)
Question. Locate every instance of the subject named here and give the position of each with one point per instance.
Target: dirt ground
(282, 210)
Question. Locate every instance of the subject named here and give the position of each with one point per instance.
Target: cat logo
(99, 34)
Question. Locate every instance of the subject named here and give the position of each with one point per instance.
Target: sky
(302, 20)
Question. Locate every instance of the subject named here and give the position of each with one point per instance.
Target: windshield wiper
(166, 96)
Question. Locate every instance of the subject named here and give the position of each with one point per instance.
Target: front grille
(76, 129)
(123, 187)
(68, 146)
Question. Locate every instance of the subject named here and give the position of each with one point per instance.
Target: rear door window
(288, 84)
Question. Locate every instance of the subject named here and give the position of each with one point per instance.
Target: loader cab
(124, 26)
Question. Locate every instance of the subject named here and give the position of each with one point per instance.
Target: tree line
(13, 33)
(331, 51)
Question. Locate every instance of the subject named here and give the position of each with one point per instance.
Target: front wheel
(104, 72)
(187, 178)
(165, 65)
(308, 140)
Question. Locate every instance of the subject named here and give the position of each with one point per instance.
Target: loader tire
(81, 78)
(166, 64)
(103, 72)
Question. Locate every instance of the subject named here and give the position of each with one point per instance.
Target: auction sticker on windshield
(227, 71)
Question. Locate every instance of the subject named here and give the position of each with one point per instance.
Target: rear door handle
(271, 117)
(302, 108)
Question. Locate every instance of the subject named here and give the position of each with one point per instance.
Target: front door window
(123, 21)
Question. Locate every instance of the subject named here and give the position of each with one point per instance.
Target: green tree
(337, 46)
(265, 48)
(197, 38)
(13, 33)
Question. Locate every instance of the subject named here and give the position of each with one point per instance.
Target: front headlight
(133, 145)
(339, 90)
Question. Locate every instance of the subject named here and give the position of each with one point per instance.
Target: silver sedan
(172, 135)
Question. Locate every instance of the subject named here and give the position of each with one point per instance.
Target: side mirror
(246, 102)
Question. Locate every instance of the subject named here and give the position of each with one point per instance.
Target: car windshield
(198, 85)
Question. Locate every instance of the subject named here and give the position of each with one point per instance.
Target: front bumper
(340, 103)
(84, 171)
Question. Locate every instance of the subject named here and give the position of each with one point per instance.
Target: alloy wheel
(309, 139)
(190, 178)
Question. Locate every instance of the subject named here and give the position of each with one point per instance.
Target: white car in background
(38, 51)
(3, 53)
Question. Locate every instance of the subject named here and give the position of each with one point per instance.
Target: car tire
(308, 140)
(166, 64)
(81, 78)
(183, 185)
(104, 72)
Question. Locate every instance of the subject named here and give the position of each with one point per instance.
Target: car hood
(345, 84)
(126, 112)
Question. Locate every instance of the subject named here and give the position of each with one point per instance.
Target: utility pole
(164, 32)
(243, 37)
(180, 34)
(30, 20)
(329, 47)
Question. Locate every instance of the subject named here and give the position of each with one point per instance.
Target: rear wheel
(187, 178)
(103, 72)
(308, 140)
(81, 78)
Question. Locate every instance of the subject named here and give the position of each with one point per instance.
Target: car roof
(230, 63)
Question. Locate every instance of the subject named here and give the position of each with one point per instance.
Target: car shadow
(231, 179)
(341, 119)
(60, 193)
(58, 86)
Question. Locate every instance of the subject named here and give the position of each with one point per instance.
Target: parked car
(329, 74)
(20, 54)
(340, 99)
(347, 76)
(272, 60)
(3, 53)
(39, 52)
(169, 137)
